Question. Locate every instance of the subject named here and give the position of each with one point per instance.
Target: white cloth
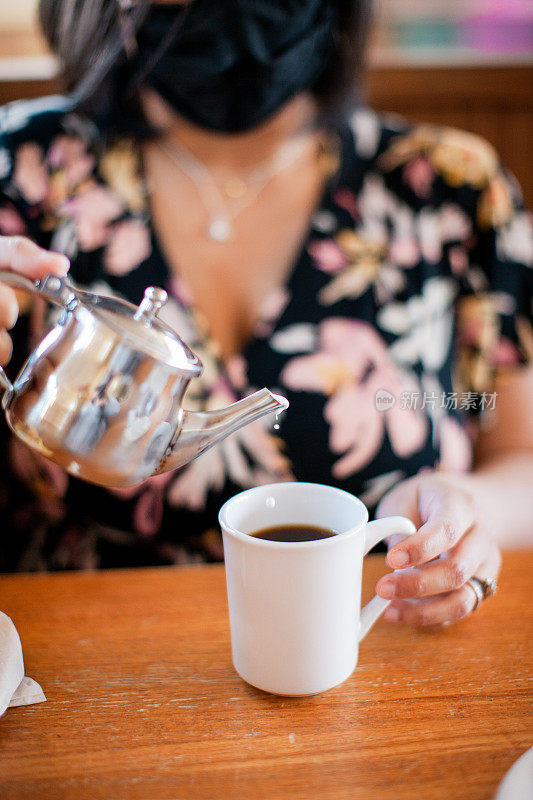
(517, 783)
(15, 688)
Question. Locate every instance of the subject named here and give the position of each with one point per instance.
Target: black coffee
(293, 533)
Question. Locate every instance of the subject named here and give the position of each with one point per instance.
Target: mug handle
(375, 532)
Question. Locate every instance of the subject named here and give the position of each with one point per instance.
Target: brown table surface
(143, 701)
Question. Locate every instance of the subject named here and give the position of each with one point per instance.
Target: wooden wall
(495, 102)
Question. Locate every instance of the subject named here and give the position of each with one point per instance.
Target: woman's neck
(236, 153)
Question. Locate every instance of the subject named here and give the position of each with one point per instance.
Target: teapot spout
(199, 430)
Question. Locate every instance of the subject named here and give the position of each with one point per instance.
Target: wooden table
(143, 701)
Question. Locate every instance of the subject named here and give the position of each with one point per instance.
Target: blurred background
(465, 63)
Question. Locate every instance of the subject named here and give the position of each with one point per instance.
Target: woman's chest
(227, 281)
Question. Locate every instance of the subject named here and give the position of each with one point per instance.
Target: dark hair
(88, 38)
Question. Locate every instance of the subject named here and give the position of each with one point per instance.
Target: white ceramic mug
(295, 607)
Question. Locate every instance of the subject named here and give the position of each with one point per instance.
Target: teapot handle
(52, 288)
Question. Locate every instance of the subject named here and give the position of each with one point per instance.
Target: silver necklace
(224, 205)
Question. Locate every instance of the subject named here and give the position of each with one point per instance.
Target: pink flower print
(404, 248)
(69, 154)
(181, 291)
(236, 371)
(270, 310)
(354, 343)
(404, 251)
(129, 245)
(93, 210)
(351, 431)
(407, 429)
(350, 366)
(11, 223)
(148, 512)
(319, 373)
(327, 255)
(454, 224)
(364, 266)
(57, 477)
(91, 234)
(505, 353)
(29, 174)
(274, 304)
(419, 176)
(472, 330)
(458, 260)
(346, 199)
(357, 427)
(455, 446)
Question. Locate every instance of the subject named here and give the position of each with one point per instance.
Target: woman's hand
(449, 548)
(23, 256)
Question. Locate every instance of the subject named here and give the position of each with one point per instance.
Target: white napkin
(15, 688)
(517, 783)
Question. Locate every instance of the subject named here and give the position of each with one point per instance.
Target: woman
(344, 260)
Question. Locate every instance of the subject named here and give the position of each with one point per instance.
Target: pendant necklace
(223, 204)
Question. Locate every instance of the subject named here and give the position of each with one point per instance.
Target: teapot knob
(152, 301)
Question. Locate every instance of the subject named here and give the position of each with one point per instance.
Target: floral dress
(413, 287)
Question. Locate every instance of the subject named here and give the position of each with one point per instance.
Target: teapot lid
(140, 326)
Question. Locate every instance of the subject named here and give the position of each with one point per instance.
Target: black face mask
(227, 65)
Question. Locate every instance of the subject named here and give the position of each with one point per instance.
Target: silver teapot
(102, 393)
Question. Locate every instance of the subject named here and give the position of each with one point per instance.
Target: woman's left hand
(435, 563)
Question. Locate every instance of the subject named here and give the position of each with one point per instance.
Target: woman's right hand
(21, 255)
